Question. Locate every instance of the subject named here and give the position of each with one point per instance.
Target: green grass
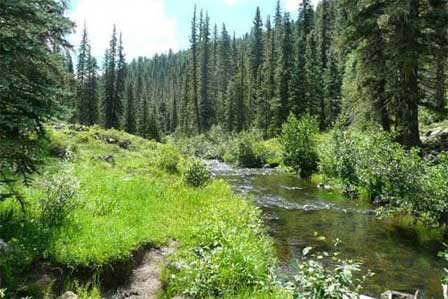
(136, 202)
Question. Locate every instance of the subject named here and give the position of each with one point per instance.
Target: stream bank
(403, 257)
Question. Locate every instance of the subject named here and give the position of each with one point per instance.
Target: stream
(403, 257)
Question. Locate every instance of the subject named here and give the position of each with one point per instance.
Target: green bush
(314, 280)
(196, 174)
(248, 150)
(169, 159)
(299, 148)
(59, 199)
(337, 159)
(390, 174)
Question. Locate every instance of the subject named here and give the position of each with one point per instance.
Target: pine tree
(267, 88)
(112, 103)
(224, 72)
(91, 113)
(299, 94)
(86, 92)
(120, 85)
(82, 79)
(130, 119)
(194, 71)
(205, 103)
(283, 75)
(255, 61)
(31, 40)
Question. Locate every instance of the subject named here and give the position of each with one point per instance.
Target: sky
(150, 27)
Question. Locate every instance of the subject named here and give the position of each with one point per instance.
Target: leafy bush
(169, 159)
(316, 281)
(211, 145)
(197, 174)
(337, 159)
(248, 150)
(59, 200)
(387, 172)
(299, 149)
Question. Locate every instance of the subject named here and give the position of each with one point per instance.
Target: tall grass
(133, 199)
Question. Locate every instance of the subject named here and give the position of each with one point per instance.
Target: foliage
(299, 149)
(390, 174)
(316, 281)
(59, 197)
(247, 150)
(228, 256)
(169, 159)
(196, 173)
(444, 255)
(32, 83)
(129, 204)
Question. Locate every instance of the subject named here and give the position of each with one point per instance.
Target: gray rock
(3, 246)
(68, 295)
(398, 295)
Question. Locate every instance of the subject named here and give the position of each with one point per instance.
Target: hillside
(117, 194)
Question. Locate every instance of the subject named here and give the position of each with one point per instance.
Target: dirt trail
(145, 282)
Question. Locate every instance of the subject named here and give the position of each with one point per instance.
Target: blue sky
(155, 26)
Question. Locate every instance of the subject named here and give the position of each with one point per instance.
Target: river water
(403, 257)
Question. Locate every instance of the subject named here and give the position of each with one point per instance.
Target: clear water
(403, 257)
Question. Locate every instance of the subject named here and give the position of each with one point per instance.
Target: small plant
(197, 173)
(299, 149)
(59, 199)
(316, 281)
(169, 159)
(2, 293)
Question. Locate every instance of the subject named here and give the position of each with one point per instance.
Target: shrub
(299, 149)
(169, 159)
(59, 200)
(314, 280)
(337, 157)
(197, 173)
(389, 174)
(248, 150)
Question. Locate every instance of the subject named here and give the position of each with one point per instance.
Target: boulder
(398, 295)
(106, 158)
(68, 295)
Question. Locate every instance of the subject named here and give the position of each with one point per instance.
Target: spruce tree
(130, 119)
(31, 83)
(206, 105)
(267, 88)
(283, 76)
(194, 71)
(91, 113)
(112, 103)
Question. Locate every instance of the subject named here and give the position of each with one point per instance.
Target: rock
(398, 295)
(124, 144)
(106, 158)
(435, 132)
(68, 295)
(3, 246)
(44, 282)
(365, 297)
(110, 140)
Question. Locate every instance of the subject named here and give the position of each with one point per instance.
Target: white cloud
(146, 28)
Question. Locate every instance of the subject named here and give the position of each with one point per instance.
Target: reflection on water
(402, 258)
